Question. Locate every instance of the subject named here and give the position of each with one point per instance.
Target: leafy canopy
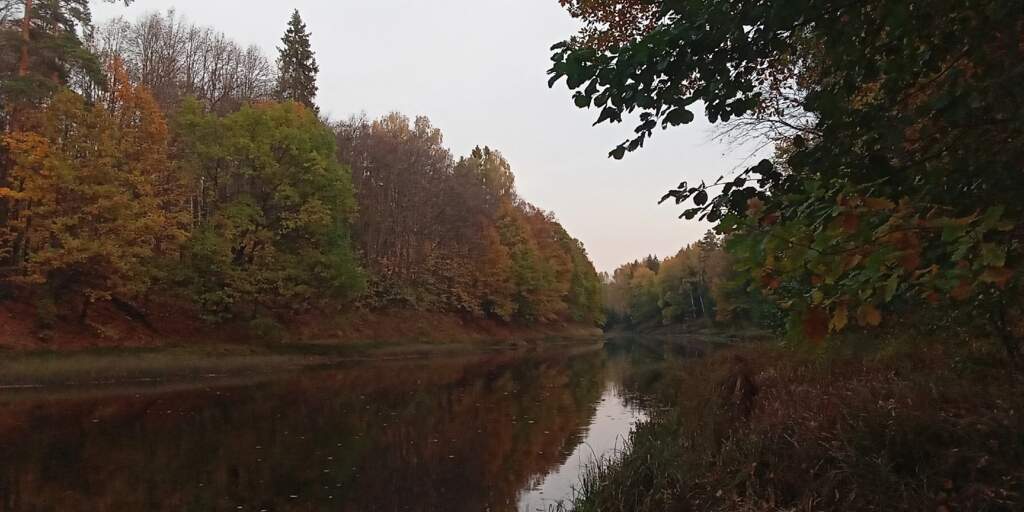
(902, 186)
(276, 209)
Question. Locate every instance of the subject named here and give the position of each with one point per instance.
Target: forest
(846, 335)
(157, 164)
(699, 286)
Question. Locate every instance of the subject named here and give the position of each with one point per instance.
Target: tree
(94, 202)
(43, 43)
(272, 211)
(42, 48)
(585, 298)
(401, 172)
(454, 236)
(296, 65)
(608, 23)
(643, 297)
(883, 195)
(699, 282)
(176, 59)
(481, 186)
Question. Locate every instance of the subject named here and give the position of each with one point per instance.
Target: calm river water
(505, 431)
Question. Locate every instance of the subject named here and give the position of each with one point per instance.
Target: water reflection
(605, 437)
(477, 433)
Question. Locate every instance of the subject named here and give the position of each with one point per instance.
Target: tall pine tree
(296, 65)
(42, 48)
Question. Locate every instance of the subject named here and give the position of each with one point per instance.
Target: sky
(477, 69)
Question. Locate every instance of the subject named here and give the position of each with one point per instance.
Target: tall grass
(907, 425)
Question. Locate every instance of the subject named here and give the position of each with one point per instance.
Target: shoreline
(888, 424)
(210, 362)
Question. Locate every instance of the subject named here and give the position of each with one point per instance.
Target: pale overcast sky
(476, 68)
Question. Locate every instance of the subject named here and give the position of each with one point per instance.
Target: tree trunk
(693, 303)
(26, 26)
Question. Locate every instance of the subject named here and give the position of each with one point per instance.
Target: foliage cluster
(698, 282)
(175, 59)
(898, 126)
(163, 160)
(451, 235)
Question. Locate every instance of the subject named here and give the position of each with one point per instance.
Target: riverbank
(23, 328)
(897, 425)
(112, 347)
(698, 330)
(208, 362)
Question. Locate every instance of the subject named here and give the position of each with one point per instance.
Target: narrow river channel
(501, 431)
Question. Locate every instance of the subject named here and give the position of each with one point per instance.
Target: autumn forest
(157, 161)
(218, 294)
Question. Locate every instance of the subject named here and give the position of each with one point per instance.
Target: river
(498, 431)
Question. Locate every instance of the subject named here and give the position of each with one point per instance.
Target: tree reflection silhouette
(444, 434)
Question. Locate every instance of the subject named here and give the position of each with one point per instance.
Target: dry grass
(102, 366)
(195, 363)
(913, 426)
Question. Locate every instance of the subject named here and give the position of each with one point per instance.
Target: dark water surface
(500, 432)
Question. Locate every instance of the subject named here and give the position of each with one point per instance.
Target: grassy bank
(173, 344)
(697, 329)
(899, 425)
(201, 362)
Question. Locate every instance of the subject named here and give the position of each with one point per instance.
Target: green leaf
(678, 116)
(952, 231)
(890, 287)
(990, 219)
(993, 255)
(608, 113)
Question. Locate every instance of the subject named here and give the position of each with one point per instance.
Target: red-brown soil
(170, 324)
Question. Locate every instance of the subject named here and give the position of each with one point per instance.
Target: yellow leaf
(840, 317)
(998, 276)
(869, 315)
(879, 203)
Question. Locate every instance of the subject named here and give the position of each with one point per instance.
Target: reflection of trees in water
(443, 435)
(648, 370)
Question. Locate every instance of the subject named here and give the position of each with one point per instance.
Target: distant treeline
(698, 283)
(159, 159)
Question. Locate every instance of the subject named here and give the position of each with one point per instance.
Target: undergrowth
(882, 425)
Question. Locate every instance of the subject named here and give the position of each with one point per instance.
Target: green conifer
(296, 65)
